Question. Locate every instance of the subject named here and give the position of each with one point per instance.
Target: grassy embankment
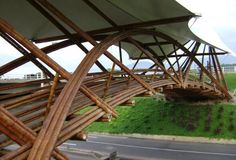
(231, 81)
(150, 116)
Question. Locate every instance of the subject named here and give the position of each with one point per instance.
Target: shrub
(218, 130)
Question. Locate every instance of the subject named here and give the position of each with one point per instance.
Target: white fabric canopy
(28, 21)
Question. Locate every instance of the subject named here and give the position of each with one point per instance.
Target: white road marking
(165, 149)
(76, 149)
(69, 144)
(91, 136)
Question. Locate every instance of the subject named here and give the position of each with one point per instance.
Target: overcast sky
(218, 17)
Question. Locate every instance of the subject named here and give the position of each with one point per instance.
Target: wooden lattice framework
(35, 118)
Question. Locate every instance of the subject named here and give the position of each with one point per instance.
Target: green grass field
(150, 116)
(231, 81)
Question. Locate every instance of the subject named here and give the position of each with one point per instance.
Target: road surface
(147, 149)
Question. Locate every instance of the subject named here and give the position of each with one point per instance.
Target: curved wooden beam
(50, 134)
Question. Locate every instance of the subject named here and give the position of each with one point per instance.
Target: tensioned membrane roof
(28, 21)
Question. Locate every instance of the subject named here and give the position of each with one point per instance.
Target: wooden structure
(39, 119)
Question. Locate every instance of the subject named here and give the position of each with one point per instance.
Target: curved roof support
(166, 58)
(87, 37)
(94, 89)
(86, 64)
(39, 54)
(153, 59)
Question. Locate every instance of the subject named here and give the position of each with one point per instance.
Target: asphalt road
(147, 149)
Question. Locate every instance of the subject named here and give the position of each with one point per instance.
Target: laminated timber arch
(41, 118)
